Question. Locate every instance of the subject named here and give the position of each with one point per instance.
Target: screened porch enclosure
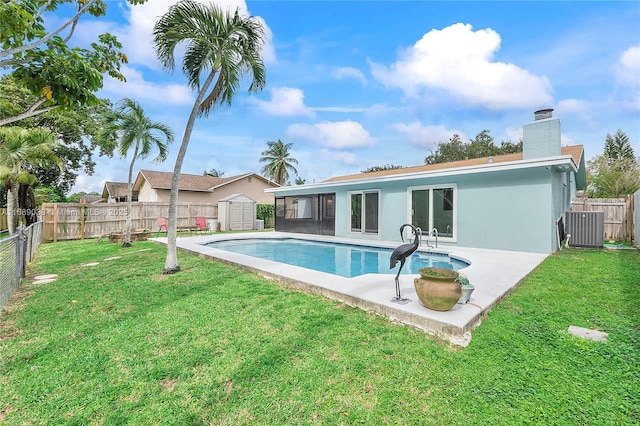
(307, 214)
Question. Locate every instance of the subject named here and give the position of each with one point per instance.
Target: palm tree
(213, 173)
(279, 162)
(221, 46)
(21, 150)
(129, 123)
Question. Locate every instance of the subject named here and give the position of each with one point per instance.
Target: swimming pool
(346, 260)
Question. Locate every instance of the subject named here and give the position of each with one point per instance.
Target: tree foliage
(615, 173)
(481, 146)
(75, 129)
(381, 168)
(57, 73)
(617, 147)
(279, 162)
(213, 173)
(76, 197)
(20, 151)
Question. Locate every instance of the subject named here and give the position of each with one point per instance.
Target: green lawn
(118, 343)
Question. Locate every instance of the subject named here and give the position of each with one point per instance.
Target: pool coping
(373, 292)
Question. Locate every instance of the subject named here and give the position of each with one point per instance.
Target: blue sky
(354, 84)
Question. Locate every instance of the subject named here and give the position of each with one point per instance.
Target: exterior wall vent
(541, 114)
(586, 229)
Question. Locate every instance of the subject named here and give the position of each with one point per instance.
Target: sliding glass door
(434, 207)
(364, 211)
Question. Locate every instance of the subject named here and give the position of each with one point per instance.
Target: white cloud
(340, 109)
(343, 157)
(375, 109)
(332, 134)
(459, 61)
(382, 110)
(513, 134)
(349, 72)
(426, 136)
(629, 66)
(285, 101)
(138, 88)
(584, 110)
(628, 78)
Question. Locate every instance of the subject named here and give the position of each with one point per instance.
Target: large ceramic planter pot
(437, 288)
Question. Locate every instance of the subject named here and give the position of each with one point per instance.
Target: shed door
(247, 216)
(241, 216)
(235, 216)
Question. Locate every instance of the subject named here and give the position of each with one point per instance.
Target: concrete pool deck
(494, 273)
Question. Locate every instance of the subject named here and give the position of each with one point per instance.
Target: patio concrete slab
(494, 273)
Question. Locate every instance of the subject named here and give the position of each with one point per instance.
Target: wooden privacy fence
(618, 215)
(73, 221)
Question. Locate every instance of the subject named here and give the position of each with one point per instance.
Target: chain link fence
(15, 253)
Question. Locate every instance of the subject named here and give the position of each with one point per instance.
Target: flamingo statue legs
(400, 254)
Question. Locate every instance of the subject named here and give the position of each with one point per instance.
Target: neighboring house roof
(188, 182)
(575, 152)
(114, 189)
(91, 199)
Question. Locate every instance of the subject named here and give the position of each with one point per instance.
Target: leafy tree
(279, 162)
(481, 146)
(19, 149)
(508, 147)
(221, 46)
(213, 173)
(75, 130)
(47, 194)
(75, 197)
(618, 147)
(615, 173)
(612, 179)
(135, 130)
(453, 150)
(381, 168)
(46, 64)
(300, 181)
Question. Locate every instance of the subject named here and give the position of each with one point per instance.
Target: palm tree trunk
(12, 206)
(171, 265)
(127, 234)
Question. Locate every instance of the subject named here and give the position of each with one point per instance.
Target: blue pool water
(335, 258)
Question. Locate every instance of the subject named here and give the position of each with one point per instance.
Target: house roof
(115, 189)
(575, 151)
(90, 199)
(189, 182)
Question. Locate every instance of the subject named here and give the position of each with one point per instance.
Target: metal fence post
(21, 253)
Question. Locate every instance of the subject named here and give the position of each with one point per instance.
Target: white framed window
(434, 207)
(364, 208)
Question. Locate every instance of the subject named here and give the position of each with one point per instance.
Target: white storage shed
(237, 212)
